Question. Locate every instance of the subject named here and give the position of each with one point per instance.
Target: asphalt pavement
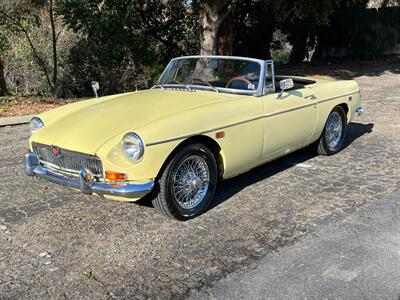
(355, 258)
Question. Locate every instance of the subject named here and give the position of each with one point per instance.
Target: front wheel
(188, 183)
(332, 138)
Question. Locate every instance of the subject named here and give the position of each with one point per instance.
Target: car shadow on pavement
(232, 186)
(355, 130)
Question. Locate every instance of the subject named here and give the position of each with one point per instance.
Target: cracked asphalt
(58, 243)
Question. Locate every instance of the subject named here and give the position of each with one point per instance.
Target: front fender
(113, 159)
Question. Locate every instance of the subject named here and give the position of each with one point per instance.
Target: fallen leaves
(20, 106)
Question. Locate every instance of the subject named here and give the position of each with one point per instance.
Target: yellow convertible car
(208, 118)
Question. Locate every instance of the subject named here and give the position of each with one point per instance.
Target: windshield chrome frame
(260, 91)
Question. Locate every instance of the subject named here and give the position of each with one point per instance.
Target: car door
(290, 121)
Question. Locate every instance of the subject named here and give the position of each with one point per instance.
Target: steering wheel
(239, 78)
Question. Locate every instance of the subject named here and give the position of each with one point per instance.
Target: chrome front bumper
(85, 182)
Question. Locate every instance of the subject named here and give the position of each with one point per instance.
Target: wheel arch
(346, 110)
(209, 142)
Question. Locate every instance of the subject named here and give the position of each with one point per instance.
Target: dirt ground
(21, 106)
(58, 243)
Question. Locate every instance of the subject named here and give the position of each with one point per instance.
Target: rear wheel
(187, 185)
(332, 138)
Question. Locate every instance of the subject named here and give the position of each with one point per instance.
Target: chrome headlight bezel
(35, 124)
(133, 146)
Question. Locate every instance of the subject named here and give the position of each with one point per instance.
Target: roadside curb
(9, 121)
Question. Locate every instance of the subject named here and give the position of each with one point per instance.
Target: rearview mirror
(285, 84)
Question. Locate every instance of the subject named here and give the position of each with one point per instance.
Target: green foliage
(3, 100)
(363, 33)
(301, 20)
(29, 54)
(125, 42)
(254, 25)
(124, 45)
(30, 20)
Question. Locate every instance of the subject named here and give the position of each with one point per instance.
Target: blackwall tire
(192, 171)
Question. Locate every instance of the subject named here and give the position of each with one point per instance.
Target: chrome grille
(66, 160)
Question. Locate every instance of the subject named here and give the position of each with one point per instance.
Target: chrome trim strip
(203, 132)
(289, 110)
(260, 61)
(84, 183)
(55, 167)
(248, 120)
(335, 97)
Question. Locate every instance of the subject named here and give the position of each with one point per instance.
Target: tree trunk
(54, 42)
(299, 48)
(3, 87)
(225, 36)
(210, 25)
(212, 16)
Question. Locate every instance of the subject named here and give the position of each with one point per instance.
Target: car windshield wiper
(184, 84)
(205, 82)
(171, 85)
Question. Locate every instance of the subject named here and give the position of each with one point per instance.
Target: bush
(363, 33)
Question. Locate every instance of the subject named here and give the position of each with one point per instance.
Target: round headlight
(133, 146)
(35, 124)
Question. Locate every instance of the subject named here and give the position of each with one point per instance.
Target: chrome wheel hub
(190, 182)
(333, 132)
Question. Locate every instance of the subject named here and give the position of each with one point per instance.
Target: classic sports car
(208, 118)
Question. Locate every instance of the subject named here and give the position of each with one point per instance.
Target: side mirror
(96, 88)
(285, 84)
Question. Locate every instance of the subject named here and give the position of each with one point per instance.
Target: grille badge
(56, 151)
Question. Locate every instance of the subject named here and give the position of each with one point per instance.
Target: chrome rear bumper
(84, 183)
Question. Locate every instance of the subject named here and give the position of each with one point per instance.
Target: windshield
(214, 73)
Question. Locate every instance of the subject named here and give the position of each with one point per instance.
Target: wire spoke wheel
(332, 138)
(334, 130)
(191, 182)
(187, 185)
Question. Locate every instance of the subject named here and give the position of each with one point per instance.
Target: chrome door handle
(311, 96)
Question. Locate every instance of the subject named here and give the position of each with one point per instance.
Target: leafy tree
(212, 14)
(254, 25)
(125, 43)
(301, 21)
(21, 17)
(357, 32)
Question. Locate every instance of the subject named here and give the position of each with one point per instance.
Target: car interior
(299, 83)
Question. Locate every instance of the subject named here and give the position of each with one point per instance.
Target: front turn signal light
(115, 176)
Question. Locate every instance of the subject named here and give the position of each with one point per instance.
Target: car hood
(85, 126)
